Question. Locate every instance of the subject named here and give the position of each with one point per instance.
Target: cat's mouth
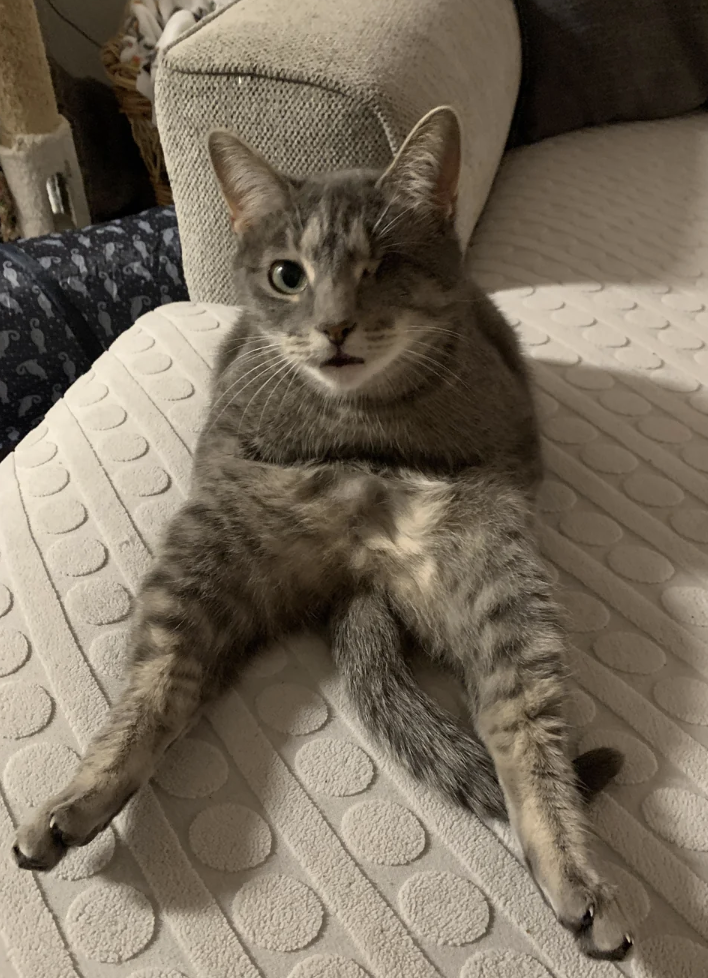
(341, 360)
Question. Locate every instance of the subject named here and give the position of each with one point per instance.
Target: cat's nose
(337, 332)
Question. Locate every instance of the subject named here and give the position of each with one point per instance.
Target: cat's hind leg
(517, 691)
(190, 622)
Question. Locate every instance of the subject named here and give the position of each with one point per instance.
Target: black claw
(587, 919)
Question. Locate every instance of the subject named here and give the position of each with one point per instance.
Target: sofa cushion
(321, 85)
(275, 840)
(588, 62)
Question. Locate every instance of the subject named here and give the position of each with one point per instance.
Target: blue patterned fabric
(65, 297)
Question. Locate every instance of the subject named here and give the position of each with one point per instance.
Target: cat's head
(346, 274)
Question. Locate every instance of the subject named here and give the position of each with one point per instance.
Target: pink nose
(337, 332)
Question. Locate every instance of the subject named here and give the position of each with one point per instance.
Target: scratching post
(37, 153)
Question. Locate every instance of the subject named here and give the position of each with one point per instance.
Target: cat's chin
(344, 376)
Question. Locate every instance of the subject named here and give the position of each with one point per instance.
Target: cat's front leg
(187, 620)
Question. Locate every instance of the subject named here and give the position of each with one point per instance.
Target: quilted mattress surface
(275, 841)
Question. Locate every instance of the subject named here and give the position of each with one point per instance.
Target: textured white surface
(275, 841)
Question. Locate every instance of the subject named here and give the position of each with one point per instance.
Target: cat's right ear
(252, 188)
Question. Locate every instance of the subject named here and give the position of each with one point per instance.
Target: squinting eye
(287, 277)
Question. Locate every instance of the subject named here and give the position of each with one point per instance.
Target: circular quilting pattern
(683, 301)
(77, 558)
(687, 604)
(640, 564)
(107, 652)
(605, 336)
(152, 516)
(572, 317)
(151, 363)
(230, 837)
(291, 708)
(502, 964)
(39, 771)
(47, 480)
(672, 380)
(25, 708)
(156, 973)
(87, 394)
(647, 318)
(61, 515)
(553, 352)
(636, 356)
(81, 862)
(587, 614)
(267, 663)
(202, 323)
(665, 430)
(569, 431)
(652, 490)
(631, 894)
(615, 300)
(686, 699)
(679, 817)
(192, 768)
(278, 912)
(639, 762)
(589, 380)
(98, 602)
(629, 652)
(38, 433)
(327, 966)
(546, 406)
(104, 417)
(171, 388)
(334, 767)
(14, 650)
(555, 497)
(611, 459)
(189, 415)
(691, 524)
(383, 832)
(123, 446)
(5, 600)
(134, 341)
(669, 955)
(530, 335)
(110, 922)
(29, 458)
(699, 401)
(444, 908)
(593, 528)
(679, 339)
(625, 402)
(543, 298)
(142, 479)
(580, 708)
(696, 456)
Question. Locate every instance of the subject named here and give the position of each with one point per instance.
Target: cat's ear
(426, 170)
(251, 187)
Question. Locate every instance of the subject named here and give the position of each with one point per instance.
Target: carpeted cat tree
(37, 154)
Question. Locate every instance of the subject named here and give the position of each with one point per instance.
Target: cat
(369, 462)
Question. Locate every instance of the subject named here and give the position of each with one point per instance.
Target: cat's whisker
(289, 369)
(254, 396)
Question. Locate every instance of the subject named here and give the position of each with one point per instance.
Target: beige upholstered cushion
(328, 84)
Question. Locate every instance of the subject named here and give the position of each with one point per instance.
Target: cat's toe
(599, 927)
(39, 845)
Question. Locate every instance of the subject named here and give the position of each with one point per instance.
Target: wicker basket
(138, 109)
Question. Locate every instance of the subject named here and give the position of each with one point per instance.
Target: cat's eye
(287, 277)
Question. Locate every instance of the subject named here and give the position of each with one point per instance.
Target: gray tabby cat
(369, 461)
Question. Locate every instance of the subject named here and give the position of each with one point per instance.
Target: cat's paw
(66, 821)
(592, 914)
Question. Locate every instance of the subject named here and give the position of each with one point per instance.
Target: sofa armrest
(328, 84)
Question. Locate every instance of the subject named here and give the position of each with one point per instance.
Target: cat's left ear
(251, 187)
(426, 170)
